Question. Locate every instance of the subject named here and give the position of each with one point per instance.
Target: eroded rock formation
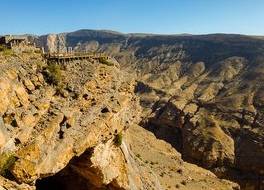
(202, 94)
(80, 131)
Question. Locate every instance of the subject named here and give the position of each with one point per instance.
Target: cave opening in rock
(77, 175)
(50, 183)
(67, 178)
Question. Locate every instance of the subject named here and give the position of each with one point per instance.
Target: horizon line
(137, 33)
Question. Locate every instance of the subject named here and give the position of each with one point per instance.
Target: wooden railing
(73, 55)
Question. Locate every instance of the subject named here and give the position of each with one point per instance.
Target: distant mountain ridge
(234, 44)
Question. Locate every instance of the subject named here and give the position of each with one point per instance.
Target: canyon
(173, 112)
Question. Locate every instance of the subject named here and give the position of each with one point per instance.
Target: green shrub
(53, 74)
(6, 51)
(105, 61)
(118, 139)
(7, 160)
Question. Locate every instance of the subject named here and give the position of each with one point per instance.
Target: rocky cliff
(74, 126)
(203, 94)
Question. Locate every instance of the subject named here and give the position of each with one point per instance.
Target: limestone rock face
(56, 43)
(141, 162)
(52, 129)
(82, 132)
(51, 42)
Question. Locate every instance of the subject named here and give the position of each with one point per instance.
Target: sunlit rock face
(205, 90)
(81, 132)
(202, 95)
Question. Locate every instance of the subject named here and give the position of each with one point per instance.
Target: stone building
(11, 41)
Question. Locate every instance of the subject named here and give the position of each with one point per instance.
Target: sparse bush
(7, 160)
(138, 155)
(53, 74)
(6, 51)
(105, 61)
(118, 139)
(2, 48)
(40, 66)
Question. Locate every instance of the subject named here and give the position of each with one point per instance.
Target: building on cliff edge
(11, 41)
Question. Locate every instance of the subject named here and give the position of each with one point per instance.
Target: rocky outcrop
(56, 43)
(45, 126)
(8, 184)
(141, 162)
(80, 131)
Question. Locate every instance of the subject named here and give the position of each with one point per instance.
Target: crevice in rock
(17, 141)
(63, 126)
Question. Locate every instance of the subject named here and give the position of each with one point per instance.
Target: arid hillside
(75, 126)
(203, 94)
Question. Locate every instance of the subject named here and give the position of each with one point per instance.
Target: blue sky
(144, 16)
